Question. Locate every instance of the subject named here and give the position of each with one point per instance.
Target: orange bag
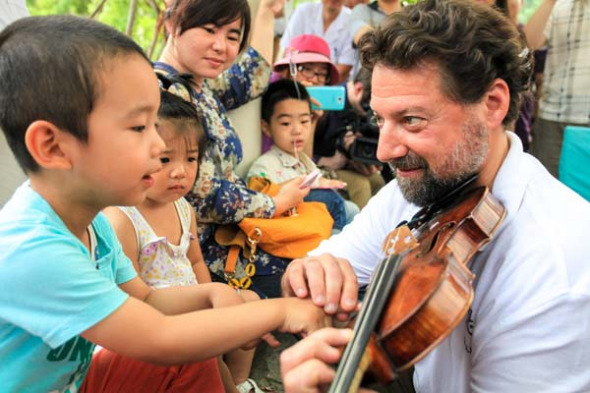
(290, 236)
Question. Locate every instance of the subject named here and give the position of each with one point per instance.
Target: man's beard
(462, 163)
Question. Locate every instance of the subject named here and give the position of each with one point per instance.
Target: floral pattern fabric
(219, 195)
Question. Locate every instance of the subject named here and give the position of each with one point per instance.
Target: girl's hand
(303, 317)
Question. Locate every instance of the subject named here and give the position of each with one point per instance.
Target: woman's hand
(290, 195)
(275, 6)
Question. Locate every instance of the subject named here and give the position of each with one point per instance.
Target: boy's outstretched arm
(140, 331)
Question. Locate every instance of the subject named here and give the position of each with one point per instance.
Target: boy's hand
(302, 316)
(330, 184)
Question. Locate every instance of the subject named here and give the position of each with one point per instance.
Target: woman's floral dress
(219, 195)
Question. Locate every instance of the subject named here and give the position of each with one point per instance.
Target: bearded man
(448, 76)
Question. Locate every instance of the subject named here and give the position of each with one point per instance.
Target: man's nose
(391, 143)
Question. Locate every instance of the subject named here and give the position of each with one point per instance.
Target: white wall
(246, 120)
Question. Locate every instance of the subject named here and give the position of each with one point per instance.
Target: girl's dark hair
(186, 14)
(281, 90)
(176, 109)
(471, 43)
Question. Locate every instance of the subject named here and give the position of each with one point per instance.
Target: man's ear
(265, 128)
(358, 88)
(356, 94)
(48, 145)
(497, 103)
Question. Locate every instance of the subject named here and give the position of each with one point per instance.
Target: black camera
(364, 148)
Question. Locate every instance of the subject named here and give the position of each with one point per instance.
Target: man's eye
(138, 128)
(193, 159)
(164, 160)
(412, 120)
(285, 124)
(377, 120)
(209, 29)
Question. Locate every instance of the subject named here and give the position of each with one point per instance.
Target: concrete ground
(266, 368)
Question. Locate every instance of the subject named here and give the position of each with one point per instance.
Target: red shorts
(110, 372)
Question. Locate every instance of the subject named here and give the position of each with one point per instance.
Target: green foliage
(114, 13)
(528, 9)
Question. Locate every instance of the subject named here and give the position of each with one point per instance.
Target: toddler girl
(159, 235)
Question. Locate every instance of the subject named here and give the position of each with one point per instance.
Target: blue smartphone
(331, 98)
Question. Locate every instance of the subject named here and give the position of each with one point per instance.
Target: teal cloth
(574, 164)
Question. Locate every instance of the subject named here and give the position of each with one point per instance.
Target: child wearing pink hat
(311, 55)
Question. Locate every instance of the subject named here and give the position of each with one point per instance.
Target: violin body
(432, 289)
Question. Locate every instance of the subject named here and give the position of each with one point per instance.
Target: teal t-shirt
(51, 290)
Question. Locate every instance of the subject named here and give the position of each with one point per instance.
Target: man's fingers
(322, 344)
(308, 377)
(315, 269)
(350, 288)
(293, 281)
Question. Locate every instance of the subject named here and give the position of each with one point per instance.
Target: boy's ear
(265, 128)
(48, 145)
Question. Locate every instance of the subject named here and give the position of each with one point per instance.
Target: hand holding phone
(330, 98)
(310, 179)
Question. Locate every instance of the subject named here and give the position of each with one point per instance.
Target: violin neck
(349, 370)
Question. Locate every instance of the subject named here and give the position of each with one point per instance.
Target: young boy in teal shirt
(78, 106)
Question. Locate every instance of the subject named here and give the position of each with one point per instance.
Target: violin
(422, 290)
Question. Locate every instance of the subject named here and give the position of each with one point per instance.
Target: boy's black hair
(281, 90)
(50, 69)
(187, 14)
(178, 110)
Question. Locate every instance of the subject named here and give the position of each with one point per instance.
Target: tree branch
(131, 18)
(159, 25)
(98, 9)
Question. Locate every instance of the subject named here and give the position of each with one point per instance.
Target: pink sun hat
(309, 48)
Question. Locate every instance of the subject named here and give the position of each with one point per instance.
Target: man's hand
(330, 282)
(305, 367)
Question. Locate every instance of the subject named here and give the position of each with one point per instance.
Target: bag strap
(237, 240)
